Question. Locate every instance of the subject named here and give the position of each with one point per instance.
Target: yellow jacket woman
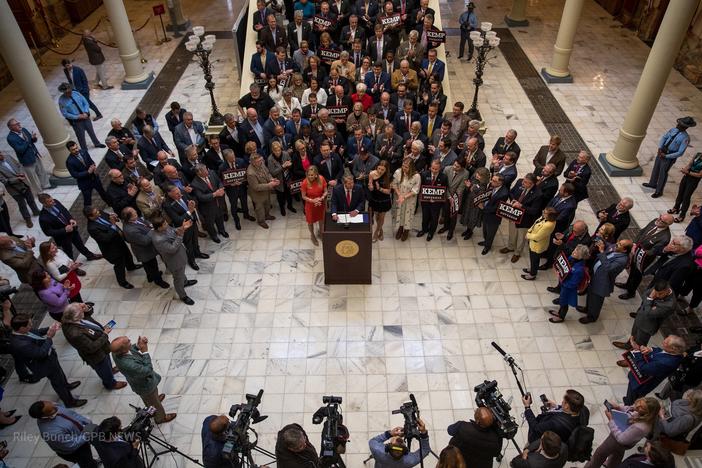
(539, 235)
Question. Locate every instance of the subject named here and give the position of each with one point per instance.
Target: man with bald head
(618, 215)
(252, 130)
(652, 239)
(475, 157)
(406, 76)
(188, 132)
(213, 438)
(121, 192)
(164, 161)
(134, 362)
(149, 198)
(150, 144)
(477, 440)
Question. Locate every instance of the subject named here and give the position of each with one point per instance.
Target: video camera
(236, 435)
(142, 424)
(410, 411)
(334, 433)
(488, 395)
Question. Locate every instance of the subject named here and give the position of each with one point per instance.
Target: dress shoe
(399, 232)
(405, 235)
(73, 385)
(237, 225)
(94, 257)
(135, 267)
(194, 266)
(169, 417)
(162, 284)
(544, 267)
(585, 320)
(460, 57)
(467, 235)
(263, 224)
(430, 237)
(100, 145)
(76, 403)
(556, 301)
(485, 251)
(526, 270)
(17, 418)
(119, 385)
(96, 118)
(581, 309)
(528, 277)
(226, 218)
(216, 240)
(421, 233)
(29, 223)
(161, 396)
(481, 243)
(115, 369)
(80, 272)
(625, 345)
(443, 230)
(657, 195)
(449, 237)
(505, 250)
(249, 217)
(646, 184)
(633, 314)
(187, 300)
(554, 289)
(224, 234)
(190, 283)
(625, 296)
(202, 255)
(201, 234)
(620, 285)
(515, 258)
(622, 363)
(282, 211)
(127, 285)
(30, 380)
(291, 209)
(270, 217)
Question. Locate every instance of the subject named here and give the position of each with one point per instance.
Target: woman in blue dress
(569, 284)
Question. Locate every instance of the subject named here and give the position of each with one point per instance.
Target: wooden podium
(347, 251)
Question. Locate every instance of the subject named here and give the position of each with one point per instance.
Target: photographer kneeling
(213, 438)
(559, 419)
(294, 450)
(548, 452)
(113, 450)
(477, 440)
(395, 452)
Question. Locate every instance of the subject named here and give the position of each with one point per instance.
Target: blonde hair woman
(314, 194)
(405, 184)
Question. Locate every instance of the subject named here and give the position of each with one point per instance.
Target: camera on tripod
(142, 424)
(410, 411)
(488, 395)
(237, 434)
(334, 433)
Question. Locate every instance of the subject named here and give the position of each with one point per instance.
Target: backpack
(580, 440)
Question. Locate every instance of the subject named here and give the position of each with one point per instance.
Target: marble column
(136, 77)
(517, 15)
(558, 72)
(42, 107)
(622, 160)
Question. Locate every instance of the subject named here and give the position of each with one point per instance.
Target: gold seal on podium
(347, 248)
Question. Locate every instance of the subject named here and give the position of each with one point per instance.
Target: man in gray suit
(15, 180)
(188, 132)
(655, 308)
(604, 272)
(168, 242)
(138, 233)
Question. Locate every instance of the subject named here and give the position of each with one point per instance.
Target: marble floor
(263, 317)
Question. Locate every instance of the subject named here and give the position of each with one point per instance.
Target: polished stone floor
(263, 317)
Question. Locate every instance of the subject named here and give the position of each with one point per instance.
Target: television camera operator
(116, 447)
(478, 440)
(294, 450)
(213, 433)
(547, 452)
(389, 449)
(561, 419)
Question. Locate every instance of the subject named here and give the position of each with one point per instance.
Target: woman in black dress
(379, 196)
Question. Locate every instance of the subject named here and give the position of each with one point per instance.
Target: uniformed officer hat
(687, 121)
(470, 5)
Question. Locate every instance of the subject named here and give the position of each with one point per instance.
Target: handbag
(678, 447)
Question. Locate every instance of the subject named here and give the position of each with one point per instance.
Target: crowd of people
(346, 115)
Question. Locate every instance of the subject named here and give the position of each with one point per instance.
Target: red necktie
(207, 180)
(348, 198)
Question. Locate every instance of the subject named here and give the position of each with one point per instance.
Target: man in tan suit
(411, 50)
(346, 68)
(550, 154)
(18, 255)
(149, 198)
(260, 185)
(405, 75)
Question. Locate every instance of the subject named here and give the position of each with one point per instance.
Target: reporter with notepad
(642, 416)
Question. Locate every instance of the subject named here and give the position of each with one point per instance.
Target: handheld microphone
(507, 357)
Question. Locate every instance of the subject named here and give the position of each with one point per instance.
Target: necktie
(433, 180)
(78, 425)
(430, 128)
(104, 222)
(181, 202)
(521, 197)
(207, 181)
(348, 198)
(55, 211)
(379, 49)
(408, 119)
(35, 336)
(431, 67)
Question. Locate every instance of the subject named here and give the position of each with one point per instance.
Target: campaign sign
(320, 24)
(338, 111)
(432, 194)
(391, 20)
(639, 257)
(232, 176)
(510, 213)
(436, 36)
(295, 186)
(482, 197)
(328, 55)
(562, 266)
(454, 204)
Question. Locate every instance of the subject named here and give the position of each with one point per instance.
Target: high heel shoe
(679, 219)
(673, 211)
(380, 234)
(314, 239)
(375, 236)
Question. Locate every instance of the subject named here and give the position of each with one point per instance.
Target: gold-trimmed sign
(347, 248)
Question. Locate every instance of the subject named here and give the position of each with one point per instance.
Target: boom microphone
(499, 349)
(507, 357)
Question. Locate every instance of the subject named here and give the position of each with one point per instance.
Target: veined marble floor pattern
(264, 319)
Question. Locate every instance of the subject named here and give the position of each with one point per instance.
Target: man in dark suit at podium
(347, 198)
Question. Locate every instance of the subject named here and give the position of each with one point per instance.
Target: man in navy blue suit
(293, 127)
(347, 198)
(82, 168)
(564, 202)
(491, 222)
(377, 81)
(260, 61)
(77, 78)
(655, 365)
(432, 66)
